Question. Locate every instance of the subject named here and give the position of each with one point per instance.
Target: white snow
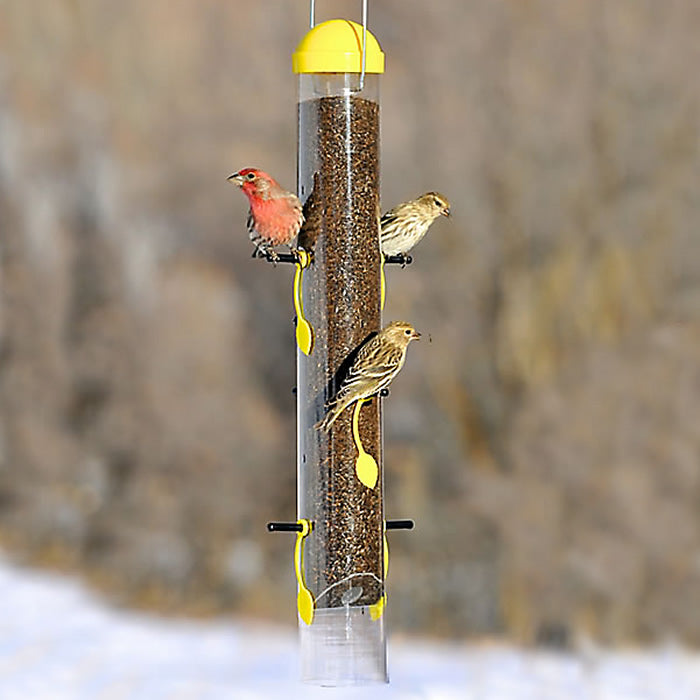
(58, 641)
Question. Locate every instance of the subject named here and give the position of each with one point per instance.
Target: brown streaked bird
(275, 215)
(402, 227)
(379, 360)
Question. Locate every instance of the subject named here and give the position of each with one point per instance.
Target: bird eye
(251, 176)
(437, 202)
(407, 331)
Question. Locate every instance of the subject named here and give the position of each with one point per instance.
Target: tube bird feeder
(340, 555)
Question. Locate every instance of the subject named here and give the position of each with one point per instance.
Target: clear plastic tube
(343, 565)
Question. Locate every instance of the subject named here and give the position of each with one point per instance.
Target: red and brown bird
(275, 215)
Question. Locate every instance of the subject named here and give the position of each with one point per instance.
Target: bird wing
(375, 367)
(389, 218)
(250, 223)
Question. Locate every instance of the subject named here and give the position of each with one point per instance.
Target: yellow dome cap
(336, 47)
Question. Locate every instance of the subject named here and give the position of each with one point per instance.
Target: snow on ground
(59, 642)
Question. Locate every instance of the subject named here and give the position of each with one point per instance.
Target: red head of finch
(275, 215)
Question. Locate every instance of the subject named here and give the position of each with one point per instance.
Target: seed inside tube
(339, 168)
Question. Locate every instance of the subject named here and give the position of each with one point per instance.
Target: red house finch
(275, 215)
(377, 363)
(404, 225)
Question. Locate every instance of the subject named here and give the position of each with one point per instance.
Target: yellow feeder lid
(336, 47)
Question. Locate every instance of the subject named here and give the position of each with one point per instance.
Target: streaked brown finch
(378, 361)
(402, 227)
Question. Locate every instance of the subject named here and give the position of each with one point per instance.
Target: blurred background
(545, 440)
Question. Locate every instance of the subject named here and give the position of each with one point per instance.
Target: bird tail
(333, 412)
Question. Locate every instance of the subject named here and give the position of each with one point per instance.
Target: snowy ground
(59, 642)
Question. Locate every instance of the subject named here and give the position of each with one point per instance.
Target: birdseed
(339, 182)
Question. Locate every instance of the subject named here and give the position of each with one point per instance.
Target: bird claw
(398, 259)
(265, 254)
(302, 256)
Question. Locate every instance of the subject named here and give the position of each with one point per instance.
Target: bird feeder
(340, 552)
(341, 555)
(343, 637)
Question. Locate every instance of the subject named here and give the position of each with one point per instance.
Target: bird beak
(446, 212)
(237, 178)
(415, 335)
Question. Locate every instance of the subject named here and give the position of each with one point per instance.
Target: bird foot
(398, 259)
(266, 254)
(301, 256)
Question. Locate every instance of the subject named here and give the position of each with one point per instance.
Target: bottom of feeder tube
(344, 646)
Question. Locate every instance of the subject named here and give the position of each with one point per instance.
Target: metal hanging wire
(364, 42)
(312, 24)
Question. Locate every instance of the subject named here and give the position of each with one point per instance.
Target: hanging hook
(312, 24)
(364, 43)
